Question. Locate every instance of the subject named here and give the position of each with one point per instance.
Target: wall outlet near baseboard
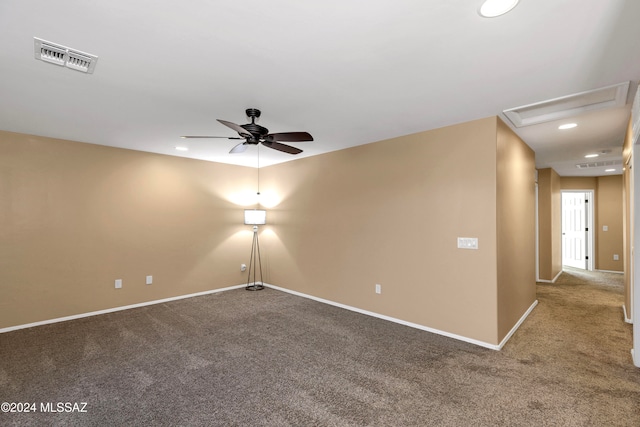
(118, 283)
(149, 280)
(378, 289)
(616, 257)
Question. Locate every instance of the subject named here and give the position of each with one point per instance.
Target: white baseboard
(112, 310)
(517, 325)
(551, 281)
(610, 271)
(626, 318)
(336, 304)
(412, 325)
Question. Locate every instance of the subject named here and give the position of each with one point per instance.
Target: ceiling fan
(253, 134)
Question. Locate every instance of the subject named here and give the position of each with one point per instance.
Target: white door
(574, 229)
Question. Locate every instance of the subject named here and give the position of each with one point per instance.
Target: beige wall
(390, 213)
(578, 183)
(608, 210)
(515, 228)
(609, 206)
(74, 217)
(549, 225)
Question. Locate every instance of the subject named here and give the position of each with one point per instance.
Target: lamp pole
(255, 217)
(255, 263)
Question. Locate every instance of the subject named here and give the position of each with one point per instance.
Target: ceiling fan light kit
(254, 134)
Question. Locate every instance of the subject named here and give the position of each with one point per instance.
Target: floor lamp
(255, 217)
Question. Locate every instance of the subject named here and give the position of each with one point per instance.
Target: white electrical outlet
(605, 228)
(149, 280)
(467, 243)
(616, 257)
(118, 283)
(378, 289)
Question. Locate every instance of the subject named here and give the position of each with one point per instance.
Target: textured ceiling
(348, 72)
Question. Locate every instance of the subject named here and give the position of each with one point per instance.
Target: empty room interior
(335, 213)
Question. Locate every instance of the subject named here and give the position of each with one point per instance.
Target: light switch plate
(467, 243)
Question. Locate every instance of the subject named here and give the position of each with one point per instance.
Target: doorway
(577, 229)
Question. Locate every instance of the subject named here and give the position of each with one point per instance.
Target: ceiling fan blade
(208, 137)
(290, 136)
(240, 148)
(242, 131)
(282, 147)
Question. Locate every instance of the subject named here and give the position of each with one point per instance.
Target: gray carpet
(269, 358)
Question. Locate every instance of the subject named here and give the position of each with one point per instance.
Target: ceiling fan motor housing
(258, 132)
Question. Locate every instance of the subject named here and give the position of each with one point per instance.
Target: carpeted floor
(269, 358)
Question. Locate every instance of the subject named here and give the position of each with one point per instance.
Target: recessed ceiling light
(567, 126)
(609, 170)
(182, 148)
(588, 156)
(493, 8)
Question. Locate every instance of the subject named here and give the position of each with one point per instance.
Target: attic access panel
(569, 106)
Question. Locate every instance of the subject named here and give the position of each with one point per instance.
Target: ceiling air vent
(64, 56)
(569, 106)
(598, 164)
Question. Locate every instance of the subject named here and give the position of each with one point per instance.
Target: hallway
(578, 338)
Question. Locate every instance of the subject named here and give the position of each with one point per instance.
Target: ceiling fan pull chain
(258, 174)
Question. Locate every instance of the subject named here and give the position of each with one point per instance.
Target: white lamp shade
(255, 216)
